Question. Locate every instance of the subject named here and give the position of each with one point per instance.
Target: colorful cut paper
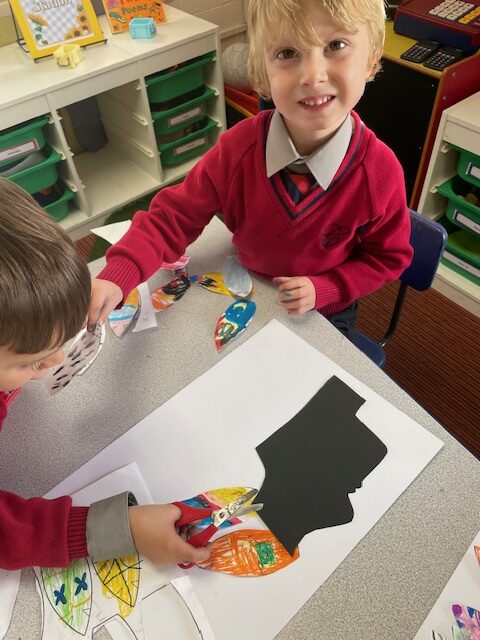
(477, 553)
(85, 348)
(248, 552)
(236, 277)
(468, 621)
(212, 282)
(169, 293)
(121, 320)
(233, 322)
(178, 265)
(121, 578)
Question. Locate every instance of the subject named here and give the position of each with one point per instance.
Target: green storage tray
(59, 209)
(468, 166)
(17, 142)
(166, 85)
(462, 254)
(41, 176)
(175, 119)
(461, 212)
(189, 146)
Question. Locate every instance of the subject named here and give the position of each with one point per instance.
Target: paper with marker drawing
(204, 422)
(130, 597)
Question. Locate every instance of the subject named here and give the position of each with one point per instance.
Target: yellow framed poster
(47, 24)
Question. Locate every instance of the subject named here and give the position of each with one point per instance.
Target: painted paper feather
(233, 322)
(212, 282)
(169, 293)
(236, 277)
(121, 320)
(468, 621)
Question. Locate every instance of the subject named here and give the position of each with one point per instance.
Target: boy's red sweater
(36, 531)
(349, 239)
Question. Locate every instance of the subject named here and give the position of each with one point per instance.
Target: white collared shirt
(322, 163)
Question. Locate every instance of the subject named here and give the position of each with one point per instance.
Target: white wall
(228, 14)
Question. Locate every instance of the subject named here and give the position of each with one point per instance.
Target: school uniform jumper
(349, 238)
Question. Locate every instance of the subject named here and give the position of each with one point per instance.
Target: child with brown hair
(314, 200)
(44, 297)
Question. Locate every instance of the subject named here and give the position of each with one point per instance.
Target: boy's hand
(155, 536)
(106, 296)
(297, 295)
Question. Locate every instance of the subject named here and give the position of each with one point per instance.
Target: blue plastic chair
(428, 239)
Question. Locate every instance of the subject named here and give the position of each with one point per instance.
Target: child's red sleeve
(40, 532)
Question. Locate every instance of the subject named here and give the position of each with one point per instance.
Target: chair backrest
(428, 239)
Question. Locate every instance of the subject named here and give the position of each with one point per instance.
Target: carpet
(434, 356)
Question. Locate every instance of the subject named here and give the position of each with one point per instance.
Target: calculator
(443, 57)
(421, 50)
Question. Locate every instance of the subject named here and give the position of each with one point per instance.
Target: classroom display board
(260, 418)
(47, 24)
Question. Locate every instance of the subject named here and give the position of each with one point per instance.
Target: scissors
(233, 509)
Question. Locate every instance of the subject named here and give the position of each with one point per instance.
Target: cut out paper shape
(248, 552)
(212, 282)
(146, 319)
(178, 265)
(218, 498)
(468, 621)
(336, 452)
(69, 591)
(85, 348)
(236, 277)
(165, 296)
(121, 320)
(233, 322)
(166, 615)
(457, 634)
(120, 579)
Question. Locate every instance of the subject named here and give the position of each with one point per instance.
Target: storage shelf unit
(129, 165)
(459, 126)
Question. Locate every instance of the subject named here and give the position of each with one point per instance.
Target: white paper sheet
(112, 232)
(146, 318)
(463, 588)
(165, 603)
(204, 438)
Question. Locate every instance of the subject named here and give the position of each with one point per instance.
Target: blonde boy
(314, 200)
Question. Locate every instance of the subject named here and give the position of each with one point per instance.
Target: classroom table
(386, 585)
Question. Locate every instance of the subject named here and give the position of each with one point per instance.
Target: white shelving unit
(129, 166)
(459, 126)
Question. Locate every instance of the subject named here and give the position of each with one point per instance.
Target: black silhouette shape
(313, 462)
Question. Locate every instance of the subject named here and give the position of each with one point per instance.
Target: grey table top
(386, 585)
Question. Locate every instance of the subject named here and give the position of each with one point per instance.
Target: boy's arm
(53, 533)
(175, 218)
(41, 532)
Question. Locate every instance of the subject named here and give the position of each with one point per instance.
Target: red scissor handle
(191, 515)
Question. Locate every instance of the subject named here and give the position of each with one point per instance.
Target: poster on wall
(47, 24)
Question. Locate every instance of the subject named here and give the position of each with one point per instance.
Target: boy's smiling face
(314, 89)
(17, 369)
